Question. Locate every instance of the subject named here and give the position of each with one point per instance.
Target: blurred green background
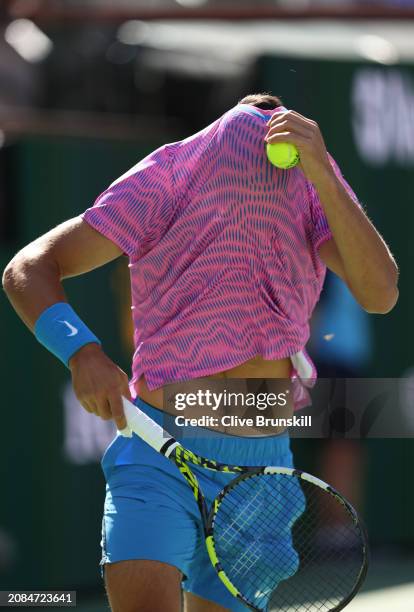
(52, 485)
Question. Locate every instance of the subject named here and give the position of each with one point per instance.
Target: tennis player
(227, 258)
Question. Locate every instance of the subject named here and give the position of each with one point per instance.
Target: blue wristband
(62, 332)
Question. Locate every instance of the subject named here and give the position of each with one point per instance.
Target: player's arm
(33, 283)
(357, 252)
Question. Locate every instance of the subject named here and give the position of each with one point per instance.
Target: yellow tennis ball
(282, 154)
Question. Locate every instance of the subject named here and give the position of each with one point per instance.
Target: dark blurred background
(87, 88)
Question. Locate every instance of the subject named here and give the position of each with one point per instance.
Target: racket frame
(161, 441)
(305, 476)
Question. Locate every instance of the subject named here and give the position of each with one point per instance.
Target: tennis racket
(261, 532)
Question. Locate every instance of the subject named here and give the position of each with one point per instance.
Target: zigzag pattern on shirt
(222, 247)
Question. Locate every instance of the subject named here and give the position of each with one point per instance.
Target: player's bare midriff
(257, 367)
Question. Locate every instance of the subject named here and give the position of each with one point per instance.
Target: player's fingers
(302, 118)
(87, 406)
(104, 409)
(125, 389)
(291, 116)
(285, 126)
(289, 137)
(276, 116)
(117, 411)
(88, 403)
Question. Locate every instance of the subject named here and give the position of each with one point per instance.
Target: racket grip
(142, 425)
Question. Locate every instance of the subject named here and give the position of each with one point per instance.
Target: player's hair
(262, 100)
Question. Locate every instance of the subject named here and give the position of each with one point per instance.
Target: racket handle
(142, 425)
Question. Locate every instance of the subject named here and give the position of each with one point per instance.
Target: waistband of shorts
(225, 448)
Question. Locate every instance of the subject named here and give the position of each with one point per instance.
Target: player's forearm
(370, 269)
(32, 284)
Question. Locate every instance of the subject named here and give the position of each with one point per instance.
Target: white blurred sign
(383, 116)
(86, 436)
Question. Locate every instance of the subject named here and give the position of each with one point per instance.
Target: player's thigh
(143, 586)
(193, 603)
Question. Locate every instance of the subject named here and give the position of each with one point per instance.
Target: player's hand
(290, 126)
(99, 383)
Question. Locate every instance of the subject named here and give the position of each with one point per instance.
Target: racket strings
(275, 541)
(239, 523)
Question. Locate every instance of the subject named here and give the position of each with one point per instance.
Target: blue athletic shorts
(150, 511)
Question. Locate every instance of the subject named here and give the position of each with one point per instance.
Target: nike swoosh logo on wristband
(73, 330)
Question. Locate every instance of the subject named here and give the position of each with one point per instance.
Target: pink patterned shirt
(223, 252)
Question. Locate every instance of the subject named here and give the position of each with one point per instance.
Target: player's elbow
(12, 275)
(18, 272)
(9, 277)
(383, 303)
